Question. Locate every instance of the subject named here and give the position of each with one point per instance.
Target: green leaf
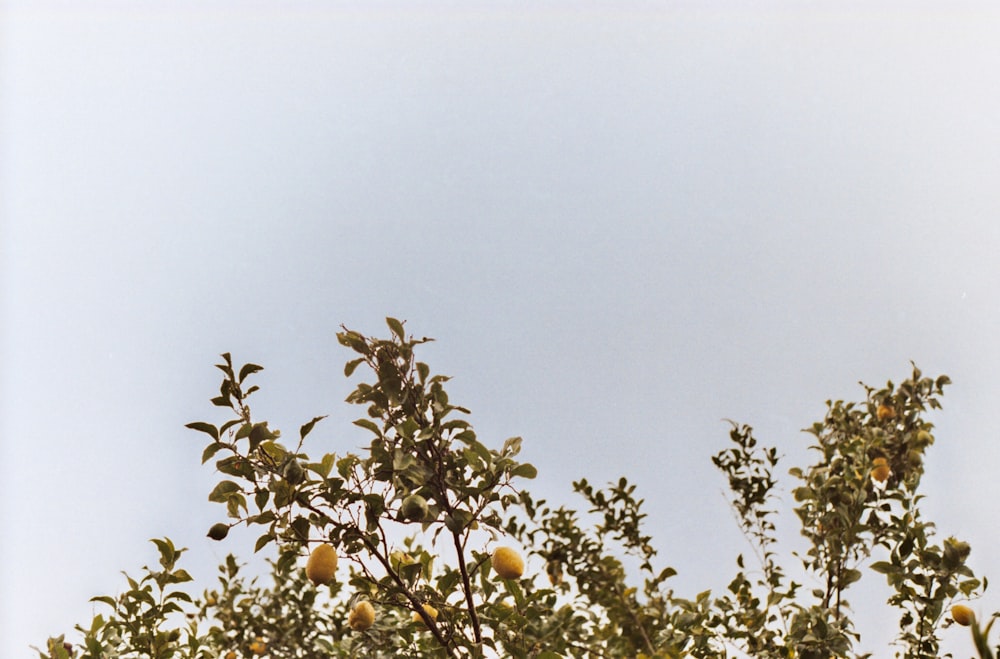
(346, 463)
(286, 560)
(167, 552)
(401, 460)
(258, 433)
(265, 517)
(666, 574)
(458, 520)
(226, 368)
(307, 428)
(396, 327)
(222, 491)
(181, 576)
(260, 498)
(448, 581)
(374, 507)
(512, 446)
(350, 366)
(234, 465)
(369, 425)
(263, 541)
(324, 466)
(249, 369)
(234, 503)
(354, 341)
(300, 525)
(206, 428)
(525, 471)
(849, 576)
(209, 451)
(228, 424)
(882, 567)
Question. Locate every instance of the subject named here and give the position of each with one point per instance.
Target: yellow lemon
(885, 412)
(362, 616)
(322, 564)
(880, 471)
(507, 563)
(429, 610)
(962, 614)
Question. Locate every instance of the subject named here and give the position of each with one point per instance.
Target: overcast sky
(622, 225)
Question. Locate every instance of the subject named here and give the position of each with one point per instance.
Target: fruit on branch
(414, 508)
(218, 531)
(429, 610)
(507, 563)
(362, 616)
(884, 412)
(962, 614)
(322, 564)
(880, 469)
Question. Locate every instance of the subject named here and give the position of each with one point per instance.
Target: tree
(432, 525)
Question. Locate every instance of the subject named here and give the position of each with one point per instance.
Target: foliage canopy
(417, 517)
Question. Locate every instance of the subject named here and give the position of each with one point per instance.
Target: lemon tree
(427, 543)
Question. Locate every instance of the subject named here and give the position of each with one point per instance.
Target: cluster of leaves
(417, 513)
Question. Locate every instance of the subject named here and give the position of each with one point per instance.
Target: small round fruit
(880, 470)
(414, 508)
(258, 646)
(294, 473)
(218, 531)
(507, 563)
(962, 614)
(362, 616)
(230, 655)
(429, 610)
(884, 412)
(322, 564)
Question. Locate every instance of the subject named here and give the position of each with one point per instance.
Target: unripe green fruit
(414, 508)
(294, 473)
(218, 531)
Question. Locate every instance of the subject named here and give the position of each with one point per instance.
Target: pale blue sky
(622, 226)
